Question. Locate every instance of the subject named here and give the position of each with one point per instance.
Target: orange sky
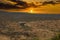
(38, 0)
(46, 9)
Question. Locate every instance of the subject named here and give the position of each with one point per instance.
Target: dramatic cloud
(49, 2)
(18, 4)
(21, 3)
(15, 4)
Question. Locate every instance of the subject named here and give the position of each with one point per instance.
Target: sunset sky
(33, 6)
(38, 0)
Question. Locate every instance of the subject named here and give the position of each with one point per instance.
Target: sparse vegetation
(57, 37)
(34, 28)
(35, 38)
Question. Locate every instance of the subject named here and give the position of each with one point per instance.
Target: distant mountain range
(27, 17)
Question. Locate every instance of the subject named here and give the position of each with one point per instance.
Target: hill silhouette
(28, 16)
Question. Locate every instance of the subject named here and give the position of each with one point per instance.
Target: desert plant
(35, 38)
(57, 37)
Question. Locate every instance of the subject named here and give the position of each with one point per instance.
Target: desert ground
(25, 27)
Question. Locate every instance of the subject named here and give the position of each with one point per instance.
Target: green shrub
(35, 38)
(57, 37)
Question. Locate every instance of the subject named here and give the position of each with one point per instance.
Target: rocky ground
(33, 30)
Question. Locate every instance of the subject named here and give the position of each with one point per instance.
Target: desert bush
(57, 37)
(35, 38)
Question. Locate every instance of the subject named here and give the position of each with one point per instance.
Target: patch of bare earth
(33, 30)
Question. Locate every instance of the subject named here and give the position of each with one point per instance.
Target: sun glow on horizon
(47, 9)
(31, 11)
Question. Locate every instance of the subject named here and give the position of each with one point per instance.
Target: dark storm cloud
(15, 6)
(7, 6)
(21, 3)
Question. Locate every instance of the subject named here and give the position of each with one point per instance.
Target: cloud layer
(15, 4)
